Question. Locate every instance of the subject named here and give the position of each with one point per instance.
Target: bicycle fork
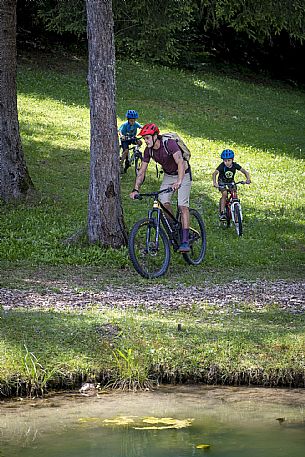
(154, 217)
(236, 205)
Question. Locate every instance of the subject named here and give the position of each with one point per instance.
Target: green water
(233, 421)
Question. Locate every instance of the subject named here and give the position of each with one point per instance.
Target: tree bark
(15, 182)
(105, 215)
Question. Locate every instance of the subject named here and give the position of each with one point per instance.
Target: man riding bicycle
(177, 175)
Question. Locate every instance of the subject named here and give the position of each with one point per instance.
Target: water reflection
(234, 421)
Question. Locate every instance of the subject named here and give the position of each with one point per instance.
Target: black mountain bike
(150, 238)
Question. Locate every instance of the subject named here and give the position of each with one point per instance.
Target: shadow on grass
(231, 111)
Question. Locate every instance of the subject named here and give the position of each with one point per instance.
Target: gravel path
(288, 295)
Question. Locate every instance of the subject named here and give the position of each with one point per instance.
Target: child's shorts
(126, 143)
(222, 185)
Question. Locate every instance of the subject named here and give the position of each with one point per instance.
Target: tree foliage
(151, 29)
(263, 18)
(159, 30)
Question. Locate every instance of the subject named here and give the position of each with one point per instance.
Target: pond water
(170, 421)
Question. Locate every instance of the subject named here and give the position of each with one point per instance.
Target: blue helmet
(227, 154)
(132, 114)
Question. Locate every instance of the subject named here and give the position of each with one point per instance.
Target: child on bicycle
(226, 172)
(128, 132)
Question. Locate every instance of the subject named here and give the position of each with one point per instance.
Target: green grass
(262, 122)
(51, 348)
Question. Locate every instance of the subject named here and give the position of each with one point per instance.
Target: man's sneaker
(222, 216)
(184, 247)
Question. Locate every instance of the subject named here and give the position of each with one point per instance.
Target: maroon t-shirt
(164, 158)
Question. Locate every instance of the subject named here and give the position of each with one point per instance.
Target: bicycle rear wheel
(149, 258)
(236, 215)
(197, 239)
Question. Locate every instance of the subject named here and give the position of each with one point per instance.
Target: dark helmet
(149, 129)
(227, 154)
(132, 114)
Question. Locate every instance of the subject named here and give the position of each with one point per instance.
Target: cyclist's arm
(181, 169)
(247, 175)
(139, 180)
(214, 176)
(122, 131)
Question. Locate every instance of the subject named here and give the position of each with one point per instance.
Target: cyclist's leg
(125, 153)
(166, 198)
(183, 204)
(184, 200)
(125, 147)
(222, 201)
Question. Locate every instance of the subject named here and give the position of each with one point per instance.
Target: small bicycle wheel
(137, 164)
(197, 239)
(149, 257)
(236, 215)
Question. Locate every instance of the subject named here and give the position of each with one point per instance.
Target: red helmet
(149, 129)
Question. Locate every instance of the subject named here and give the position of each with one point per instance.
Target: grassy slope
(262, 122)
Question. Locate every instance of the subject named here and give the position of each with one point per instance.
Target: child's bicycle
(233, 211)
(150, 238)
(135, 158)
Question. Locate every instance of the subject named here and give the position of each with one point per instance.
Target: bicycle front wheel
(150, 257)
(197, 239)
(236, 216)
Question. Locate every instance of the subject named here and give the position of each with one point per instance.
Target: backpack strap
(151, 155)
(165, 145)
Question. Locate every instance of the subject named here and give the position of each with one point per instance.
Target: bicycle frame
(151, 238)
(158, 213)
(232, 200)
(136, 153)
(233, 209)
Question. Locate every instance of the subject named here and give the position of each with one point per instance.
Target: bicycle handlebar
(128, 137)
(153, 194)
(232, 184)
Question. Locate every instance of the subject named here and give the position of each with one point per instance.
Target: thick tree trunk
(105, 216)
(15, 181)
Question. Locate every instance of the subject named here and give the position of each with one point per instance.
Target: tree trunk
(105, 215)
(15, 181)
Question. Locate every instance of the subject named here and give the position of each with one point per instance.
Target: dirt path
(288, 295)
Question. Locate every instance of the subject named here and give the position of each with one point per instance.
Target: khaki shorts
(183, 192)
